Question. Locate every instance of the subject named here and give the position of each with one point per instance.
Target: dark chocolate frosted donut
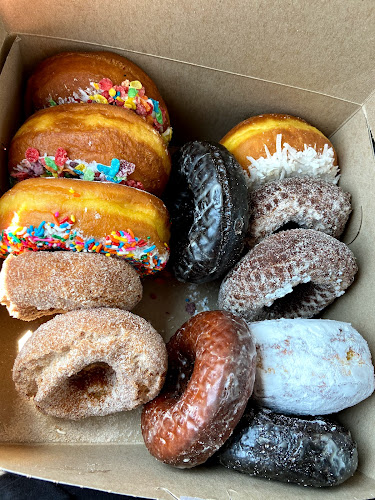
(290, 274)
(210, 377)
(309, 452)
(309, 203)
(208, 202)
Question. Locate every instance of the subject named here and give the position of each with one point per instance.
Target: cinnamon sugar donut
(91, 363)
(310, 203)
(210, 378)
(290, 274)
(36, 284)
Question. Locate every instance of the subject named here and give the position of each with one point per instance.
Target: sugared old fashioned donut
(310, 366)
(307, 202)
(290, 274)
(210, 378)
(96, 77)
(93, 143)
(208, 202)
(36, 284)
(91, 363)
(96, 217)
(274, 146)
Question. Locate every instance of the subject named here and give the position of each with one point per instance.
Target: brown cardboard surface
(114, 456)
(322, 46)
(358, 304)
(132, 469)
(209, 103)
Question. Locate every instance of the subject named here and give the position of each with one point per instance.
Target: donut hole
(94, 381)
(290, 225)
(284, 306)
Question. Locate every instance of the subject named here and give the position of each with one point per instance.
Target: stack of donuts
(79, 229)
(232, 204)
(247, 384)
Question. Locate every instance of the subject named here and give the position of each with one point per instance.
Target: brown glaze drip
(210, 378)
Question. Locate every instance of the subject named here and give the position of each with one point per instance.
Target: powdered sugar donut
(310, 366)
(308, 202)
(91, 363)
(290, 274)
(274, 146)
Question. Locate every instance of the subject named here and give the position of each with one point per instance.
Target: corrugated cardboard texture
(200, 108)
(322, 46)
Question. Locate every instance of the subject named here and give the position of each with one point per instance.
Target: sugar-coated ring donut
(261, 285)
(274, 146)
(91, 363)
(93, 77)
(210, 377)
(101, 143)
(36, 284)
(310, 203)
(83, 216)
(208, 202)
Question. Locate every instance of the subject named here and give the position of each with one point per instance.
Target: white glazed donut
(310, 366)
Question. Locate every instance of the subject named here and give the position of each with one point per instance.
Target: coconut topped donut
(93, 143)
(274, 146)
(97, 77)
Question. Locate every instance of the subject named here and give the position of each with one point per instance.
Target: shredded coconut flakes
(288, 162)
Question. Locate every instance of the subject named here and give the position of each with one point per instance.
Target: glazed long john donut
(194, 415)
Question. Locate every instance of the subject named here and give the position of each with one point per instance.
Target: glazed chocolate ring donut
(260, 286)
(210, 377)
(208, 202)
(310, 203)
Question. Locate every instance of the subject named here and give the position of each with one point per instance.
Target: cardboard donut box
(215, 63)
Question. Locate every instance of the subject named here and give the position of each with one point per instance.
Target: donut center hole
(289, 225)
(95, 380)
(301, 293)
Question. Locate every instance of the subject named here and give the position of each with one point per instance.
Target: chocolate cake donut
(309, 452)
(91, 363)
(307, 202)
(36, 284)
(208, 201)
(210, 378)
(291, 274)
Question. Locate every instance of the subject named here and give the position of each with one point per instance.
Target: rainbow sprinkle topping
(131, 95)
(60, 235)
(35, 165)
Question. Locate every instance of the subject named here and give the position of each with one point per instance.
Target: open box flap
(325, 47)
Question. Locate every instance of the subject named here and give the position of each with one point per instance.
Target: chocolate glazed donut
(210, 377)
(208, 202)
